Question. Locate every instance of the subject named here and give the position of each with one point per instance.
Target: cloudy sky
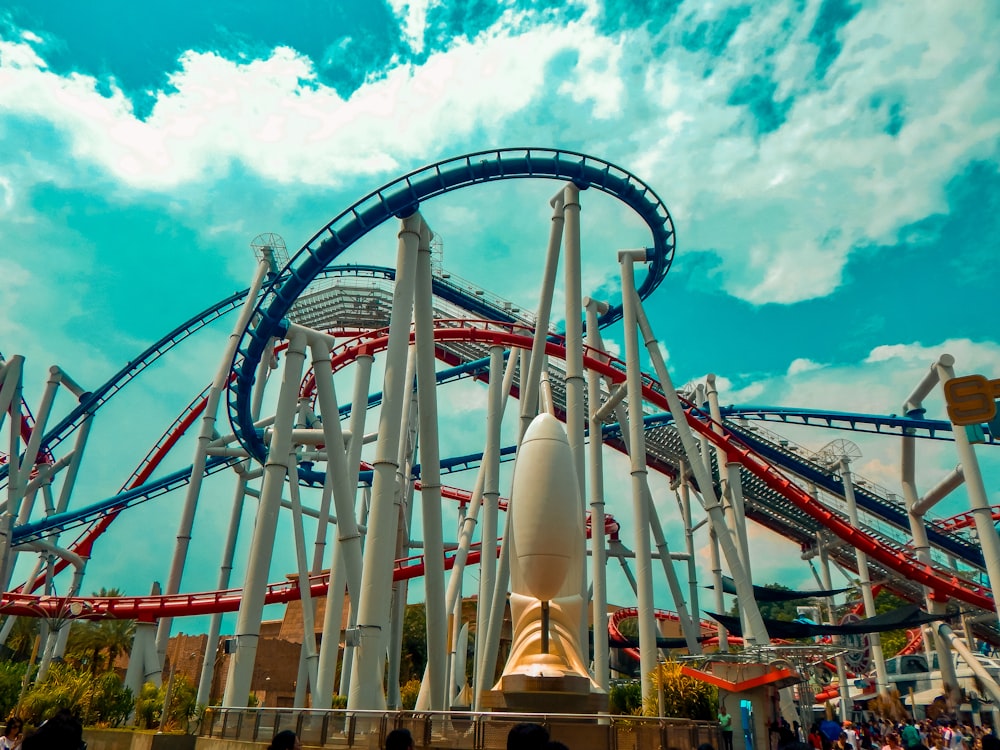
(831, 167)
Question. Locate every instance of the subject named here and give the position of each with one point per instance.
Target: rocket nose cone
(545, 427)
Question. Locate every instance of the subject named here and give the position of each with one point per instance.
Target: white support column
(863, 576)
(637, 456)
(913, 407)
(530, 380)
(344, 473)
(367, 690)
(576, 417)
(430, 480)
(757, 632)
(599, 572)
(720, 600)
(205, 435)
(575, 384)
(404, 505)
(684, 501)
(262, 545)
(729, 473)
(979, 503)
(10, 401)
(688, 627)
(225, 571)
(491, 497)
(329, 650)
(824, 566)
(344, 686)
(309, 656)
(951, 482)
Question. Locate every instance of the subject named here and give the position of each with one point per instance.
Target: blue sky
(831, 167)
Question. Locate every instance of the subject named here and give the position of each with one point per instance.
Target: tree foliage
(183, 705)
(408, 694)
(21, 641)
(683, 696)
(625, 698)
(101, 700)
(414, 645)
(894, 640)
(11, 677)
(95, 645)
(775, 610)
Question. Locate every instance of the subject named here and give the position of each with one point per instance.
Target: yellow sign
(971, 399)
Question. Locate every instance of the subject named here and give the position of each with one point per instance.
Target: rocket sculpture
(546, 669)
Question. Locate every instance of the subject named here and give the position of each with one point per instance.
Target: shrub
(148, 706)
(625, 698)
(11, 677)
(683, 696)
(408, 694)
(101, 700)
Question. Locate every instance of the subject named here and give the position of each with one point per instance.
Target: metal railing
(458, 730)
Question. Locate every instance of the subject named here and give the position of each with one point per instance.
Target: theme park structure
(272, 417)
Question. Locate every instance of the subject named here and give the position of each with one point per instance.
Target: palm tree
(97, 643)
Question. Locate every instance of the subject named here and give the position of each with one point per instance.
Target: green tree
(625, 698)
(100, 700)
(775, 610)
(11, 675)
(97, 644)
(893, 640)
(414, 644)
(21, 641)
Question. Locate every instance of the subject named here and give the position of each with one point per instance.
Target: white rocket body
(547, 522)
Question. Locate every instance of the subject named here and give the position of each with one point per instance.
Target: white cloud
(969, 355)
(6, 194)
(801, 365)
(274, 116)
(414, 17)
(784, 210)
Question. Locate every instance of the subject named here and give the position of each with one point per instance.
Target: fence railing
(458, 730)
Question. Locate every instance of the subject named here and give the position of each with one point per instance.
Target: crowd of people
(884, 735)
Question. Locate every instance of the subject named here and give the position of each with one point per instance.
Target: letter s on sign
(970, 399)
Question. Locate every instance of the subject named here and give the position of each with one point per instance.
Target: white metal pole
(488, 536)
(575, 384)
(225, 571)
(367, 690)
(329, 650)
(305, 595)
(863, 576)
(576, 418)
(530, 380)
(913, 407)
(744, 586)
(364, 505)
(599, 572)
(262, 546)
(688, 627)
(685, 505)
(337, 463)
(637, 457)
(979, 503)
(205, 435)
(720, 600)
(404, 506)
(10, 396)
(737, 512)
(430, 479)
(824, 566)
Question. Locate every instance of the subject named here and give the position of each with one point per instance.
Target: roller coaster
(289, 440)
